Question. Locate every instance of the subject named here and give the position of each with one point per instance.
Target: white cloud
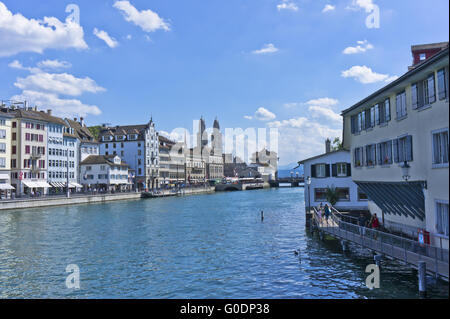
(323, 102)
(103, 35)
(365, 75)
(248, 117)
(303, 137)
(147, 20)
(54, 64)
(263, 114)
(324, 113)
(328, 7)
(61, 107)
(362, 46)
(266, 49)
(129, 37)
(60, 83)
(287, 5)
(367, 5)
(20, 34)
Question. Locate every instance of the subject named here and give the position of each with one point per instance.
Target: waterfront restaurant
(398, 138)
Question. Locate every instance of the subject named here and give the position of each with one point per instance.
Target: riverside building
(398, 139)
(5, 155)
(137, 145)
(332, 171)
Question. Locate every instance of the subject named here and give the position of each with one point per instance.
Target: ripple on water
(208, 246)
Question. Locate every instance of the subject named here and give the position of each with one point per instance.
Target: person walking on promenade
(327, 212)
(362, 224)
(374, 223)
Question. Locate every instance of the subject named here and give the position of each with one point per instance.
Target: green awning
(397, 198)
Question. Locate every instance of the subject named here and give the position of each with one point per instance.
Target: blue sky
(251, 63)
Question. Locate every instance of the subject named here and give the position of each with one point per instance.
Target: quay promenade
(83, 198)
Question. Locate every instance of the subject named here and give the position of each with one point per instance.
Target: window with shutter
(395, 149)
(387, 109)
(334, 170)
(327, 170)
(409, 148)
(431, 89)
(442, 94)
(379, 158)
(349, 169)
(414, 97)
(313, 171)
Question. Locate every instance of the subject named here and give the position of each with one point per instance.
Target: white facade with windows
(138, 145)
(332, 170)
(416, 135)
(107, 172)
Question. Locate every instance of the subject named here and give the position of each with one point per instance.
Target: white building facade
(103, 172)
(398, 139)
(138, 145)
(332, 170)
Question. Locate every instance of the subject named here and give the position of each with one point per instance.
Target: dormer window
(132, 137)
(120, 137)
(107, 138)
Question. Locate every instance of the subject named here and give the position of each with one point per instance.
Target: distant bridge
(294, 181)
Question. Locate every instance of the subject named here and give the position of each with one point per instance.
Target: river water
(205, 246)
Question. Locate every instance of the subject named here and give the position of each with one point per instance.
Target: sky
(289, 65)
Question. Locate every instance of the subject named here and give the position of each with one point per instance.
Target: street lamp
(405, 171)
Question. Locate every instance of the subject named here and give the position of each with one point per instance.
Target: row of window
(397, 150)
(423, 93)
(31, 125)
(31, 163)
(337, 170)
(130, 137)
(28, 175)
(60, 152)
(343, 194)
(34, 137)
(379, 114)
(35, 150)
(105, 176)
(60, 174)
(60, 163)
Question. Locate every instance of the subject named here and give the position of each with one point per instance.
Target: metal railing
(383, 242)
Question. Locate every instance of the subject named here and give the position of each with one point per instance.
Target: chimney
(327, 146)
(82, 121)
(75, 119)
(49, 112)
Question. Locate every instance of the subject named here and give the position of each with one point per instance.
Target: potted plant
(386, 160)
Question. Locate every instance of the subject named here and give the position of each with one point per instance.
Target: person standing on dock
(327, 212)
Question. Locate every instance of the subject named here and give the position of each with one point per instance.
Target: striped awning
(397, 198)
(58, 184)
(75, 185)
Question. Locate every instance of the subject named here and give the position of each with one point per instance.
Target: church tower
(216, 139)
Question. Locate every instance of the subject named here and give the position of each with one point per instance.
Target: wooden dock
(402, 249)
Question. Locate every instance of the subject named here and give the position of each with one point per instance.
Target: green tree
(95, 130)
(332, 196)
(337, 145)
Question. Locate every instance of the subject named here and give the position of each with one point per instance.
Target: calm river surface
(206, 246)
